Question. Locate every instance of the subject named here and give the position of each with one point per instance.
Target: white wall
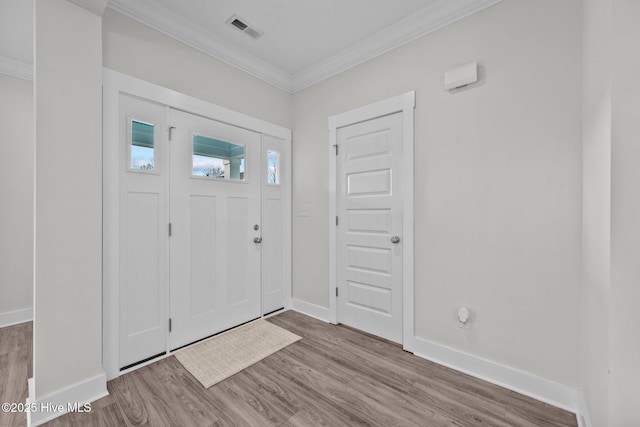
(68, 204)
(498, 182)
(625, 216)
(611, 348)
(137, 50)
(16, 195)
(597, 134)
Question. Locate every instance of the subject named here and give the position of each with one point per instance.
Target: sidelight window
(142, 146)
(273, 167)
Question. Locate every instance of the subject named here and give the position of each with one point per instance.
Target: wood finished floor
(334, 376)
(15, 367)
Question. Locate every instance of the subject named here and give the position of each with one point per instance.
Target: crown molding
(432, 18)
(176, 27)
(438, 14)
(13, 68)
(94, 6)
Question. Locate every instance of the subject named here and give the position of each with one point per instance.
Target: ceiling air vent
(245, 27)
(239, 24)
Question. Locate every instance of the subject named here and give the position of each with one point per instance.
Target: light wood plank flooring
(334, 376)
(15, 367)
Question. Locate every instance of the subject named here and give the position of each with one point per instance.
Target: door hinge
(169, 229)
(336, 220)
(336, 147)
(336, 291)
(169, 324)
(171, 128)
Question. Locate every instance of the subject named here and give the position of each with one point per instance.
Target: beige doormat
(224, 355)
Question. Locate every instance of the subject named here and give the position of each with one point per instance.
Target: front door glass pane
(218, 159)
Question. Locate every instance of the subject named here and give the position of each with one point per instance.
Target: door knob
(257, 240)
(395, 239)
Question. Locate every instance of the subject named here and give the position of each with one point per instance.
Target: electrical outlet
(464, 325)
(464, 318)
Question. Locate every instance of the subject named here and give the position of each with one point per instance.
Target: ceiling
(303, 41)
(298, 33)
(16, 38)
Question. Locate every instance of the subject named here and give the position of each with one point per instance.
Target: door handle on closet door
(257, 240)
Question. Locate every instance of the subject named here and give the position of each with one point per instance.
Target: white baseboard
(584, 420)
(56, 404)
(14, 317)
(522, 382)
(311, 310)
(544, 390)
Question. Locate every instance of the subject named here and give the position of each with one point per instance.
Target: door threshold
(212, 335)
(143, 362)
(274, 312)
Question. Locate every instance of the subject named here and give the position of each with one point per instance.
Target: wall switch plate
(304, 210)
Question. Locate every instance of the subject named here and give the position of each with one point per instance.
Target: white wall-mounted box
(461, 76)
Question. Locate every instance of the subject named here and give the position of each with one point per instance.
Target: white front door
(215, 227)
(369, 232)
(219, 184)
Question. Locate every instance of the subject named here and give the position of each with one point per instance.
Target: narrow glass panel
(273, 168)
(142, 149)
(217, 159)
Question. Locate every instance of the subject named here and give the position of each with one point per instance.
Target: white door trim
(114, 83)
(404, 103)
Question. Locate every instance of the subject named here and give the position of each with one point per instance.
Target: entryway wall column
(68, 203)
(611, 212)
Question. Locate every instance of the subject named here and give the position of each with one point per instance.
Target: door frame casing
(405, 104)
(115, 83)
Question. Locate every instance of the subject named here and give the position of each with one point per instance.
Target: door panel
(143, 259)
(274, 163)
(369, 202)
(369, 183)
(143, 219)
(215, 204)
(239, 232)
(372, 221)
(273, 248)
(369, 297)
(202, 249)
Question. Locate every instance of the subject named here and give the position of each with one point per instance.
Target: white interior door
(215, 227)
(143, 216)
(369, 232)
